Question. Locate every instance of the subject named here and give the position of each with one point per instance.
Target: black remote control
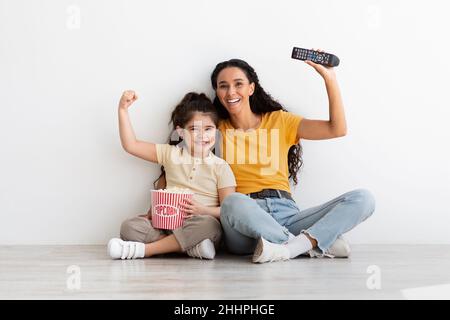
(326, 59)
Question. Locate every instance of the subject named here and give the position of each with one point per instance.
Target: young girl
(188, 164)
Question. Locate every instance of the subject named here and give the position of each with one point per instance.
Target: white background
(64, 178)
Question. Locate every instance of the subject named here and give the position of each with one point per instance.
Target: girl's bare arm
(140, 149)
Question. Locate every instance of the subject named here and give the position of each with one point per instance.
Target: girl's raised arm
(140, 149)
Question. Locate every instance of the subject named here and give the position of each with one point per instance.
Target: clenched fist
(127, 99)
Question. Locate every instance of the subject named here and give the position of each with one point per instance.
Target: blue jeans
(244, 219)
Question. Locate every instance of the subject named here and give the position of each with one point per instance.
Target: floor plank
(40, 272)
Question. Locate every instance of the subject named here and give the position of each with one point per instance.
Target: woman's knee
(365, 200)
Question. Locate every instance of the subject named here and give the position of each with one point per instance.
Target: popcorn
(166, 210)
(176, 190)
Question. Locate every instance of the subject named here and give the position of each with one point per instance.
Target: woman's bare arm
(336, 126)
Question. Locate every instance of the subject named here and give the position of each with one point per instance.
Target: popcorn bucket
(166, 210)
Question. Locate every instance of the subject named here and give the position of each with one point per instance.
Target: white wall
(64, 178)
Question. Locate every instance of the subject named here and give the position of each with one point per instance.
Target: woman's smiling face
(234, 89)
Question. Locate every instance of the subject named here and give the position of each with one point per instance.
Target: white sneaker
(339, 249)
(119, 249)
(266, 251)
(203, 250)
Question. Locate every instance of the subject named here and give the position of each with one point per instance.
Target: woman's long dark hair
(260, 102)
(191, 103)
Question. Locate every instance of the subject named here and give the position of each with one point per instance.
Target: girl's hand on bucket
(192, 208)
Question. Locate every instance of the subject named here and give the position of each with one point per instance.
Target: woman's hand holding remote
(327, 73)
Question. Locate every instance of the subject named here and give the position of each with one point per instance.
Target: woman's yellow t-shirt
(258, 157)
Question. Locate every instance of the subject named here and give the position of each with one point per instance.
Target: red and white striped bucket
(166, 210)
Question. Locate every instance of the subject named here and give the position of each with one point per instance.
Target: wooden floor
(44, 272)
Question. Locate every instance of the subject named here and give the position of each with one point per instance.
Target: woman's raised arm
(336, 126)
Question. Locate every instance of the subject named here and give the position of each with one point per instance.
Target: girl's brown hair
(191, 103)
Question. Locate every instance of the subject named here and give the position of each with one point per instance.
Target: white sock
(291, 236)
(298, 245)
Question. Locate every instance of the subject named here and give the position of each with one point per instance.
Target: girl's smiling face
(199, 134)
(234, 89)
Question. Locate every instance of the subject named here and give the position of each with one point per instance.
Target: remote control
(326, 59)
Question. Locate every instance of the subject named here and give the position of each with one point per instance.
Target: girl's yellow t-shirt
(258, 157)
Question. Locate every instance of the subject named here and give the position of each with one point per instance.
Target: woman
(261, 217)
